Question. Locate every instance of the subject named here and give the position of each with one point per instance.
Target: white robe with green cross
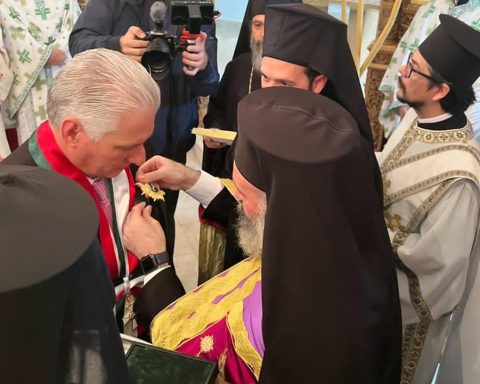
(6, 79)
(31, 29)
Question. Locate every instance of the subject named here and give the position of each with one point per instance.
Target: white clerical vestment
(431, 207)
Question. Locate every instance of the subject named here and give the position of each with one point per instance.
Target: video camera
(163, 47)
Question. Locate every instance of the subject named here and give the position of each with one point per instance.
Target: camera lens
(157, 63)
(157, 58)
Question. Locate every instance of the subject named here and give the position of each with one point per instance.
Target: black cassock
(56, 298)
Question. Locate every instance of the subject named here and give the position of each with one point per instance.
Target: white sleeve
(154, 273)
(205, 189)
(439, 252)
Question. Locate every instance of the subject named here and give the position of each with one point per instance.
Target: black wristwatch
(151, 262)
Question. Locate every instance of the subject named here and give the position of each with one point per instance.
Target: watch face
(147, 264)
(152, 262)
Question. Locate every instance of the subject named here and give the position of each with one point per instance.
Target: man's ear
(442, 91)
(318, 83)
(71, 132)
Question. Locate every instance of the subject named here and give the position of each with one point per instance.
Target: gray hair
(99, 86)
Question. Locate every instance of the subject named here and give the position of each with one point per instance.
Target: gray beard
(256, 47)
(250, 231)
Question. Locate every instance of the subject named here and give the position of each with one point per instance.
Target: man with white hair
(101, 110)
(122, 26)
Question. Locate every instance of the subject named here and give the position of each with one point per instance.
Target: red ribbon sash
(59, 162)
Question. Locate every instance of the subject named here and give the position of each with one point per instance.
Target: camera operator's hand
(195, 57)
(57, 57)
(131, 45)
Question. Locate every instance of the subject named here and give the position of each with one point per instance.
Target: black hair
(312, 75)
(458, 99)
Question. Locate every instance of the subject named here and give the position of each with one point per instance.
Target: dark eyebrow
(413, 61)
(279, 80)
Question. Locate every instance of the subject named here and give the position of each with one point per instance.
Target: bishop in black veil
(318, 303)
(330, 300)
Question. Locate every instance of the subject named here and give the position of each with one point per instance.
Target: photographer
(120, 25)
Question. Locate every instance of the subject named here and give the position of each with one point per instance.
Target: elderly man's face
(258, 26)
(115, 151)
(246, 193)
(256, 41)
(251, 211)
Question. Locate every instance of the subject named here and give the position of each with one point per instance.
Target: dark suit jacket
(165, 287)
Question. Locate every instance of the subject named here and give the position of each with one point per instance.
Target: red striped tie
(100, 187)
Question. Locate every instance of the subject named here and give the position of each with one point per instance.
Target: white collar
(435, 119)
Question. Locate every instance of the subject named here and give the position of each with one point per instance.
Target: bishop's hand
(167, 174)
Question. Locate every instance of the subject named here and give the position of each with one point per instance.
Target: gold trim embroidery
(415, 334)
(425, 184)
(394, 221)
(192, 314)
(222, 362)
(422, 155)
(407, 140)
(206, 345)
(241, 341)
(386, 182)
(450, 136)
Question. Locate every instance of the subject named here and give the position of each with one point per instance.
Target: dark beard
(412, 104)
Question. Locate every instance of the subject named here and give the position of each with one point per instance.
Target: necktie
(129, 323)
(100, 187)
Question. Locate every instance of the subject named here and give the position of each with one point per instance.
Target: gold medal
(151, 191)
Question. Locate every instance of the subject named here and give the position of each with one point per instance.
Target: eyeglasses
(410, 69)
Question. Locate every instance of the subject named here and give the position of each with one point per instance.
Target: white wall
(232, 10)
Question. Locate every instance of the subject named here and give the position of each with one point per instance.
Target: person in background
(424, 22)
(35, 37)
(431, 171)
(293, 56)
(218, 246)
(6, 79)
